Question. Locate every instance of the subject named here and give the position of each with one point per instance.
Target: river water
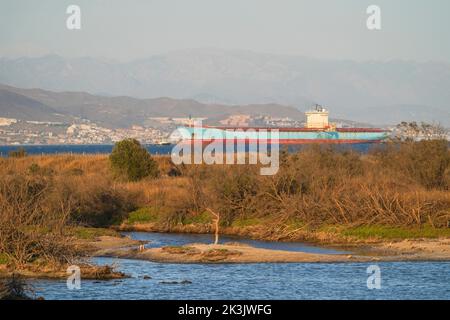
(152, 148)
(399, 280)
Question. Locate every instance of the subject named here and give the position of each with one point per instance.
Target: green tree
(131, 161)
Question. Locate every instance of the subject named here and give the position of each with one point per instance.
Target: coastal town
(161, 131)
(17, 131)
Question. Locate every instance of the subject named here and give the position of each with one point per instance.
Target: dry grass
(179, 250)
(406, 186)
(219, 254)
(313, 188)
(320, 187)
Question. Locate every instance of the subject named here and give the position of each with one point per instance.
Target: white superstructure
(317, 118)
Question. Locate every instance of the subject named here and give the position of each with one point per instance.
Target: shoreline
(88, 271)
(422, 249)
(127, 248)
(239, 253)
(274, 233)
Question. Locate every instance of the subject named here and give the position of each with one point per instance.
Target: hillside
(123, 111)
(17, 106)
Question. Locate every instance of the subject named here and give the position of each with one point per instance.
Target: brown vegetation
(405, 185)
(14, 288)
(41, 197)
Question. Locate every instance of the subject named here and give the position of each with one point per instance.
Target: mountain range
(378, 92)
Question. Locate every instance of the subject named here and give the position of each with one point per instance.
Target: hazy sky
(125, 30)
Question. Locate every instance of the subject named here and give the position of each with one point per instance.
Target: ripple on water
(399, 280)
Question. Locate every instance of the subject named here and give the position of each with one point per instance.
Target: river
(399, 280)
(152, 148)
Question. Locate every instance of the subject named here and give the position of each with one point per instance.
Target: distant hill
(17, 106)
(119, 111)
(382, 92)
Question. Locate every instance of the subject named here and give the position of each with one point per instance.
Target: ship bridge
(317, 118)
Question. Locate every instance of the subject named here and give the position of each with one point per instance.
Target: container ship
(317, 130)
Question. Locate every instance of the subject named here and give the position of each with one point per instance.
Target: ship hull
(283, 136)
(283, 141)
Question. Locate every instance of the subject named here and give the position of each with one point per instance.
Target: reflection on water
(400, 280)
(178, 239)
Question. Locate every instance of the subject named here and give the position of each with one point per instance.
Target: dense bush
(401, 186)
(427, 162)
(94, 201)
(41, 196)
(31, 230)
(131, 161)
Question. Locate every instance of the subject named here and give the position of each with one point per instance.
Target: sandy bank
(109, 242)
(233, 253)
(424, 249)
(407, 250)
(418, 249)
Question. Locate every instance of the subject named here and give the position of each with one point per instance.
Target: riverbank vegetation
(396, 191)
(48, 203)
(15, 288)
(45, 204)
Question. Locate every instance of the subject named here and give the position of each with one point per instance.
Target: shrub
(29, 227)
(4, 258)
(14, 288)
(142, 215)
(132, 162)
(18, 153)
(427, 162)
(34, 168)
(96, 202)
